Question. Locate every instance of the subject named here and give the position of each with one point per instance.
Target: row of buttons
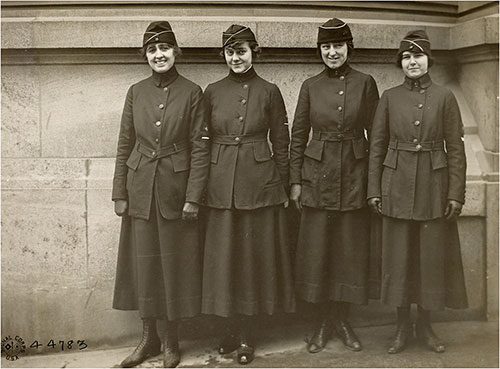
(418, 147)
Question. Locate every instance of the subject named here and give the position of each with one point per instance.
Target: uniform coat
(410, 168)
(160, 143)
(161, 163)
(247, 266)
(333, 243)
(339, 106)
(244, 174)
(417, 163)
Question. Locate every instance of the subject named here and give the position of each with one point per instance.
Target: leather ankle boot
(427, 337)
(229, 341)
(171, 353)
(404, 331)
(148, 347)
(318, 341)
(346, 334)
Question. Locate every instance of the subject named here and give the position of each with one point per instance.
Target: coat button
(161, 106)
(157, 140)
(339, 127)
(418, 147)
(240, 119)
(340, 135)
(237, 139)
(243, 101)
(341, 78)
(415, 140)
(422, 91)
(158, 123)
(165, 89)
(341, 93)
(339, 108)
(417, 123)
(245, 86)
(420, 106)
(153, 153)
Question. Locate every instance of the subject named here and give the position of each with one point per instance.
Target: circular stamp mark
(13, 347)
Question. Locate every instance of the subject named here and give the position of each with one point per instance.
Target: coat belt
(239, 139)
(337, 135)
(162, 151)
(416, 146)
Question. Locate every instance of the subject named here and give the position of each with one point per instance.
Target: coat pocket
(360, 148)
(180, 161)
(439, 159)
(214, 153)
(315, 150)
(134, 159)
(391, 159)
(261, 151)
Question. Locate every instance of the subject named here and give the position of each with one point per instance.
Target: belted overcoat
(338, 104)
(417, 156)
(244, 173)
(160, 146)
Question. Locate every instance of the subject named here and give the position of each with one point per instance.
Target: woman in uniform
(328, 180)
(417, 183)
(247, 268)
(160, 174)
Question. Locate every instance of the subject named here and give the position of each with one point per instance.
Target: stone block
(491, 31)
(492, 251)
(82, 106)
(103, 236)
(475, 199)
(40, 173)
(20, 111)
(100, 174)
(44, 238)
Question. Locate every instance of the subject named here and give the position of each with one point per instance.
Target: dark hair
(400, 57)
(350, 48)
(142, 50)
(254, 46)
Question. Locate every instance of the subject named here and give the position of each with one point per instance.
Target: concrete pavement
(469, 344)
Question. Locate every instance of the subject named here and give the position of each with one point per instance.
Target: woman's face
(160, 57)
(239, 59)
(334, 54)
(414, 65)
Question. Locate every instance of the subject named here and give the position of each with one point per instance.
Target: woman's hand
(453, 209)
(121, 207)
(190, 211)
(295, 192)
(375, 205)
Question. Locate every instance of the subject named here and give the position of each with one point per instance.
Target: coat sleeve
(198, 173)
(300, 135)
(279, 135)
(371, 99)
(379, 140)
(126, 143)
(453, 131)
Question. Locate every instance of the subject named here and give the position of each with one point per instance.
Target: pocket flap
(261, 151)
(391, 159)
(439, 159)
(134, 159)
(214, 153)
(360, 148)
(180, 161)
(315, 149)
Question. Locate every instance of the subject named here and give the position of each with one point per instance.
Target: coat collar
(423, 82)
(243, 77)
(164, 79)
(343, 70)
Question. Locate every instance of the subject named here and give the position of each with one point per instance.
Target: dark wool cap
(159, 32)
(237, 33)
(415, 41)
(334, 30)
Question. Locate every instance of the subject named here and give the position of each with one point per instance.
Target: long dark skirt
(159, 267)
(422, 264)
(333, 253)
(247, 267)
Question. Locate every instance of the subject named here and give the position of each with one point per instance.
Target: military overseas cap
(159, 32)
(415, 41)
(237, 33)
(334, 30)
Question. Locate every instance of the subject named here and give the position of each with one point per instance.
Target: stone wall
(65, 73)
